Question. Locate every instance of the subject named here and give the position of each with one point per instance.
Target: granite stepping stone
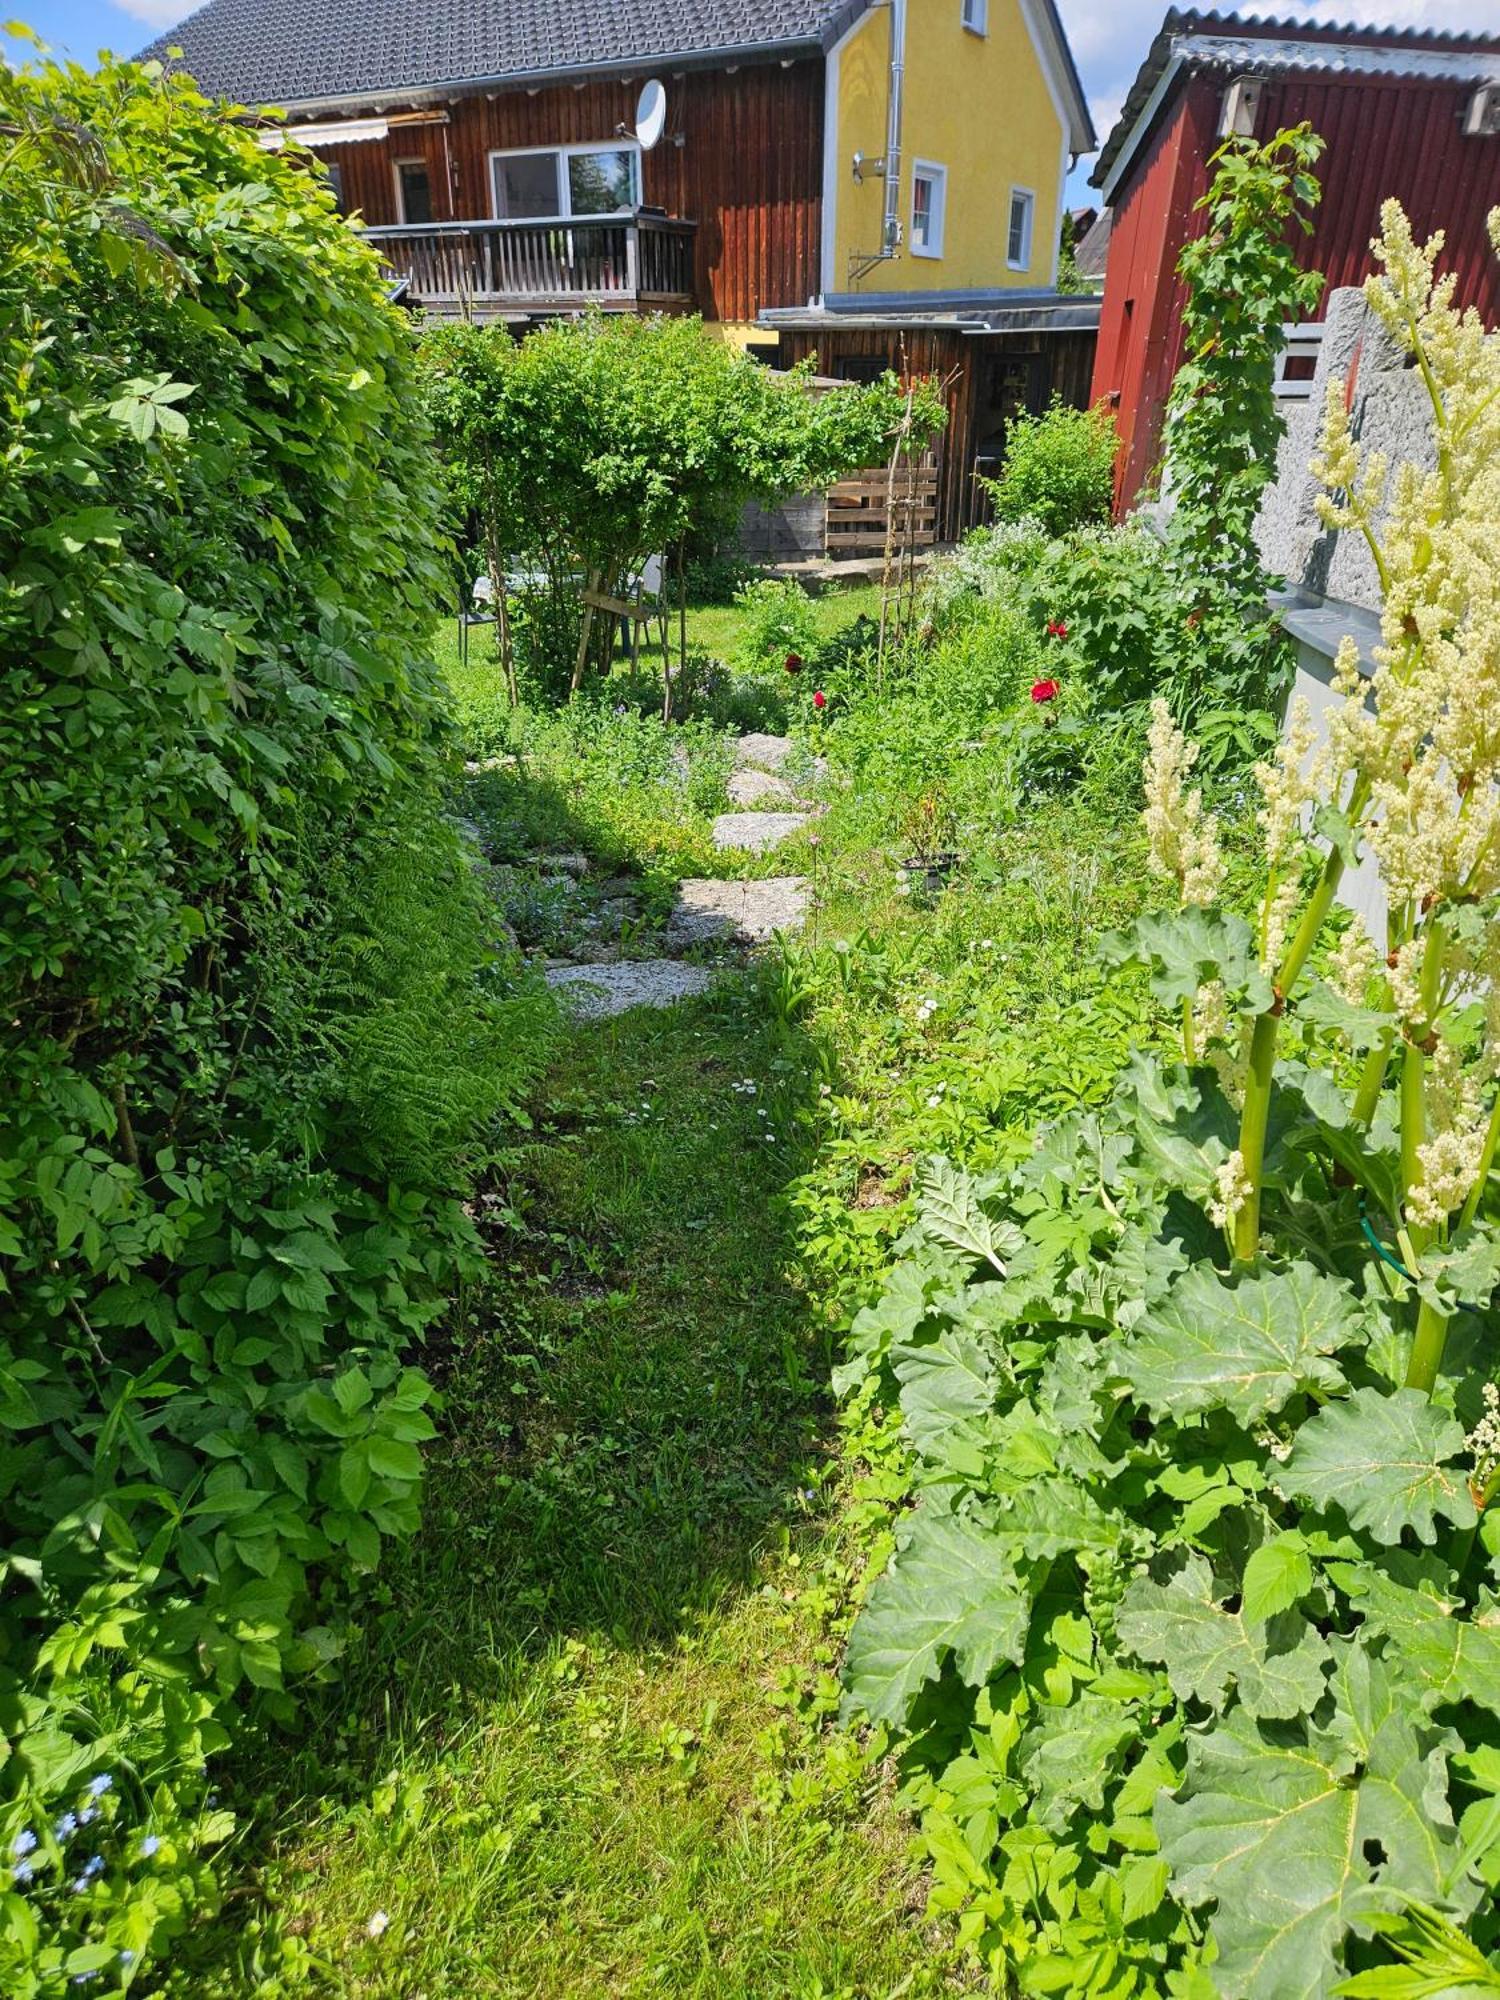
(710, 912)
(595, 992)
(760, 752)
(752, 788)
(757, 831)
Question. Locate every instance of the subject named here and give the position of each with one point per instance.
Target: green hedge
(251, 1033)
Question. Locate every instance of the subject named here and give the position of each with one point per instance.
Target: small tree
(594, 444)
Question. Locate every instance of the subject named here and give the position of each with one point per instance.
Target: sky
(1109, 37)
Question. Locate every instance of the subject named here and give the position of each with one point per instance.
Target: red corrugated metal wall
(749, 171)
(1385, 136)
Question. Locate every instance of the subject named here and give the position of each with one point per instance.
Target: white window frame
(929, 170)
(1028, 195)
(974, 16)
(563, 154)
(412, 160)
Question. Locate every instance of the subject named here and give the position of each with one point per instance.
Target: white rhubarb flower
(1184, 839)
(1233, 1191)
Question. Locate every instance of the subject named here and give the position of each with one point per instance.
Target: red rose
(820, 700)
(1044, 691)
(794, 663)
(1056, 629)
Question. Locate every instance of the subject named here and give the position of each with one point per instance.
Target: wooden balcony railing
(625, 261)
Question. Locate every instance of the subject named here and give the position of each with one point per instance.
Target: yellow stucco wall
(976, 104)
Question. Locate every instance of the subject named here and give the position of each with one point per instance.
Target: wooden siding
(749, 171)
(967, 365)
(1385, 136)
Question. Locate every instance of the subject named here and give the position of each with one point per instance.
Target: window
(413, 191)
(976, 16)
(929, 195)
(335, 175)
(1018, 240)
(860, 367)
(566, 180)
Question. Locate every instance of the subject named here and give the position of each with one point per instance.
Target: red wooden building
(1404, 112)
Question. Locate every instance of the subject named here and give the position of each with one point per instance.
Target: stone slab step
(709, 912)
(757, 831)
(752, 788)
(761, 752)
(594, 992)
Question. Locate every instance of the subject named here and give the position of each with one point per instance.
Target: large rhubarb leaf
(1244, 1348)
(1189, 947)
(1070, 1753)
(1444, 1656)
(950, 1589)
(1278, 1667)
(1047, 1518)
(944, 1383)
(916, 1291)
(1383, 1458)
(1297, 1836)
(949, 1210)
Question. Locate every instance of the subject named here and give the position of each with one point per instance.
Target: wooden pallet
(860, 509)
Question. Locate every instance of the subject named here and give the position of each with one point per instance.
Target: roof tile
(300, 51)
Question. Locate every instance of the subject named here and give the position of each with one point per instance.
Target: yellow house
(949, 129)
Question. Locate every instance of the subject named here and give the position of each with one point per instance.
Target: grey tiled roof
(301, 51)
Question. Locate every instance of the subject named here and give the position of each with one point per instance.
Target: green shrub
(1121, 616)
(778, 621)
(245, 1048)
(1059, 469)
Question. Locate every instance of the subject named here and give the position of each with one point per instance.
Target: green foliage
(242, 1074)
(1134, 624)
(1223, 422)
(777, 623)
(1225, 1468)
(593, 444)
(1059, 469)
(1125, 1501)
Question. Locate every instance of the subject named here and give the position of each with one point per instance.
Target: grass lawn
(574, 1760)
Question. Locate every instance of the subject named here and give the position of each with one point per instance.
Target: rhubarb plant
(1190, 1642)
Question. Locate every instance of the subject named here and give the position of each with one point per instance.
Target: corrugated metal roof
(1257, 53)
(1196, 39)
(308, 52)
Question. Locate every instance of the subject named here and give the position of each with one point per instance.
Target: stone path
(709, 912)
(757, 832)
(594, 992)
(753, 788)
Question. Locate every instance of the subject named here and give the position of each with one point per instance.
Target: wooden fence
(864, 508)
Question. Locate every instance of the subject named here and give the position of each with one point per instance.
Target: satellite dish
(650, 114)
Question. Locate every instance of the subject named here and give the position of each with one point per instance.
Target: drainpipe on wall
(891, 230)
(890, 166)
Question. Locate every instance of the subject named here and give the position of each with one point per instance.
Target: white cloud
(1110, 37)
(159, 13)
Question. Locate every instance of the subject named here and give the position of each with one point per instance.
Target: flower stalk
(1408, 772)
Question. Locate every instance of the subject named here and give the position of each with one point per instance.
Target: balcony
(626, 263)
